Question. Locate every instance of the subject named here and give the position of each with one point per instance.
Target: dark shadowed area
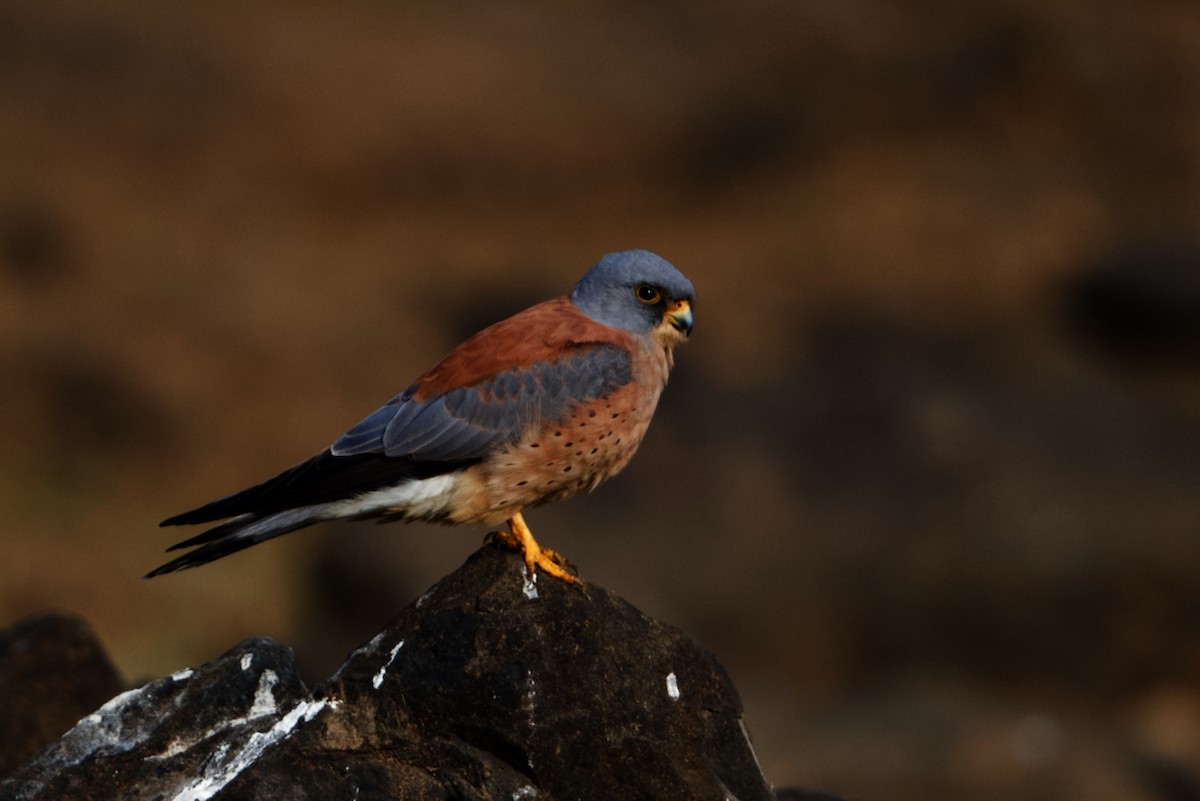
(925, 479)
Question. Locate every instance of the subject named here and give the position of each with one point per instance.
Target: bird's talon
(519, 539)
(549, 562)
(558, 559)
(504, 539)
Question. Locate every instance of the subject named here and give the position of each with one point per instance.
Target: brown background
(925, 479)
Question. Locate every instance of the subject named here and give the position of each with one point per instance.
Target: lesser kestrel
(533, 409)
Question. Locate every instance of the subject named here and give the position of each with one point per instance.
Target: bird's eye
(648, 294)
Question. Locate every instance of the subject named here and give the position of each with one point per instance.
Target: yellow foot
(520, 539)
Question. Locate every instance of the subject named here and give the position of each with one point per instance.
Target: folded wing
(410, 439)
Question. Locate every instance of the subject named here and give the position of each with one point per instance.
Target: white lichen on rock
(230, 759)
(377, 680)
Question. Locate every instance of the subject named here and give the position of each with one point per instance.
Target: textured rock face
(183, 736)
(53, 671)
(488, 687)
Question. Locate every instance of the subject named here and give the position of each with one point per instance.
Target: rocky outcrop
(490, 686)
(53, 671)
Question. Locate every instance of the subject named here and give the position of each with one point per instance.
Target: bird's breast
(556, 459)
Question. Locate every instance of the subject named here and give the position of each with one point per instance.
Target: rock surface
(53, 671)
(487, 687)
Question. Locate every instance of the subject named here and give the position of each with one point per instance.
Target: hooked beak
(680, 316)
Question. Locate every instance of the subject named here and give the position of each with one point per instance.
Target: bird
(533, 409)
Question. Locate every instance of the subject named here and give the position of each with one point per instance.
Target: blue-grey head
(637, 291)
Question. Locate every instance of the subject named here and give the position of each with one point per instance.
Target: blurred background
(925, 479)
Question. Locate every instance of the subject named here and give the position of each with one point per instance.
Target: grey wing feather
(364, 436)
(469, 422)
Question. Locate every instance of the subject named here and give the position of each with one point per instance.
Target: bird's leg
(519, 537)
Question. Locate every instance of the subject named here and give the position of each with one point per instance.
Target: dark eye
(648, 294)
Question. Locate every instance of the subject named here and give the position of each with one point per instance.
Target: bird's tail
(240, 532)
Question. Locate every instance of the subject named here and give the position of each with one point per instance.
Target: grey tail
(237, 534)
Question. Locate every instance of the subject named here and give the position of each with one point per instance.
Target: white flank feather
(420, 498)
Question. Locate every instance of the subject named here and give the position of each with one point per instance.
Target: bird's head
(639, 292)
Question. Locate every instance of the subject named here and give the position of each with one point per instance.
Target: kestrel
(531, 410)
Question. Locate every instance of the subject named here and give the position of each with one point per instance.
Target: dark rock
(487, 687)
(53, 671)
(175, 737)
